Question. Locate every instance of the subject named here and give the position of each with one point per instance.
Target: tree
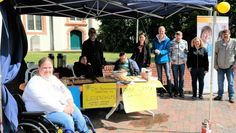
(117, 34)
(120, 34)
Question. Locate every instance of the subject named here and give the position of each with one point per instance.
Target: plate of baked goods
(105, 80)
(82, 81)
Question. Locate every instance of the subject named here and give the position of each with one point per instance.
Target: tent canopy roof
(131, 9)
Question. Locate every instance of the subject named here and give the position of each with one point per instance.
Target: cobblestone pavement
(173, 115)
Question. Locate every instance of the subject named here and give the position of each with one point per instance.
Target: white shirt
(46, 94)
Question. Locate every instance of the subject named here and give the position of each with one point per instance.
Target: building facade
(46, 33)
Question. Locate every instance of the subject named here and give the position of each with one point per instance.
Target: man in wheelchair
(44, 92)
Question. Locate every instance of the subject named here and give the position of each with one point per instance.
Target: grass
(71, 56)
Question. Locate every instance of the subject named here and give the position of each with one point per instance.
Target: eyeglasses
(93, 32)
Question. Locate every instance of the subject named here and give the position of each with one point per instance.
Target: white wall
(60, 36)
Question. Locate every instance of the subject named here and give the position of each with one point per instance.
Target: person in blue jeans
(45, 92)
(178, 53)
(161, 49)
(225, 64)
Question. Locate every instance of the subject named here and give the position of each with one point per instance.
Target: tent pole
(51, 33)
(137, 28)
(1, 113)
(212, 61)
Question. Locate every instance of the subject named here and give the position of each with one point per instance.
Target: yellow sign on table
(99, 95)
(140, 96)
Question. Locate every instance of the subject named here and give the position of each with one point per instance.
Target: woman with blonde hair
(198, 65)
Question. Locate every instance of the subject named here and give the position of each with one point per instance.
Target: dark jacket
(198, 58)
(94, 53)
(143, 58)
(133, 67)
(81, 69)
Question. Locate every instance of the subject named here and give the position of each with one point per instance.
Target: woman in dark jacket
(141, 53)
(198, 64)
(83, 69)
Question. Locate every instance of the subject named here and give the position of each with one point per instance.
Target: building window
(75, 19)
(34, 22)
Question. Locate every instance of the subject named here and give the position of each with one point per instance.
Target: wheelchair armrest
(33, 114)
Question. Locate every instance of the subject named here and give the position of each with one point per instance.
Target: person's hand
(68, 109)
(82, 77)
(190, 69)
(157, 51)
(234, 68)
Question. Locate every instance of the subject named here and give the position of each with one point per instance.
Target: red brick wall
(187, 78)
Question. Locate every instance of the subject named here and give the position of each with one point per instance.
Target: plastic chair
(71, 67)
(30, 72)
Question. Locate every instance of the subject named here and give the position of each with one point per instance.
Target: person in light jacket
(178, 53)
(225, 64)
(198, 65)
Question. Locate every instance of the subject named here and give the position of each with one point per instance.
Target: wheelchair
(32, 122)
(35, 122)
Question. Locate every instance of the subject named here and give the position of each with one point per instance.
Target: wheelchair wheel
(29, 128)
(36, 123)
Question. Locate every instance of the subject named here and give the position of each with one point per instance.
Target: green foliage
(117, 34)
(185, 22)
(120, 34)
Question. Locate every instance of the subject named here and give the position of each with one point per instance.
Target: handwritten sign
(99, 95)
(140, 96)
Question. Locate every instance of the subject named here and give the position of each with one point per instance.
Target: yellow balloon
(223, 7)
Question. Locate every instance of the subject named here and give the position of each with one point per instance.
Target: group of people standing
(175, 54)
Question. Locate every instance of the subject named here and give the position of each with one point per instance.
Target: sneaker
(161, 94)
(231, 100)
(218, 98)
(194, 97)
(175, 94)
(181, 95)
(200, 97)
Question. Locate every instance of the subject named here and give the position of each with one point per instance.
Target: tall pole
(1, 114)
(51, 33)
(212, 62)
(137, 28)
